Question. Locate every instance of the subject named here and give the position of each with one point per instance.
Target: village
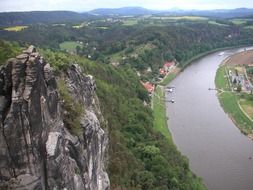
(239, 70)
(239, 79)
(167, 69)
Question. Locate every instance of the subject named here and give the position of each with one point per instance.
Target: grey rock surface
(37, 151)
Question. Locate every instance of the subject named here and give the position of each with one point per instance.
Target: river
(217, 151)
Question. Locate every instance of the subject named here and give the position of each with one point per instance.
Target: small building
(149, 69)
(166, 68)
(148, 86)
(162, 71)
(168, 65)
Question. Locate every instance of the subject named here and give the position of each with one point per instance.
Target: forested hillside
(139, 42)
(139, 156)
(34, 17)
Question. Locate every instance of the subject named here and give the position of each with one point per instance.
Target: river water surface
(218, 152)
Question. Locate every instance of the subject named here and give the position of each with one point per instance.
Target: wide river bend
(218, 152)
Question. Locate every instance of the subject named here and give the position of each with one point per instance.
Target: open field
(243, 58)
(249, 27)
(195, 18)
(216, 23)
(69, 45)
(15, 28)
(80, 25)
(102, 27)
(247, 106)
(239, 21)
(130, 22)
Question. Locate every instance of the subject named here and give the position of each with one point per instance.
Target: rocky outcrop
(37, 151)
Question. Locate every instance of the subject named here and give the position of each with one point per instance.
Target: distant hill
(124, 11)
(220, 13)
(25, 18)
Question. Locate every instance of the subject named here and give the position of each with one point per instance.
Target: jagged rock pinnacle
(37, 150)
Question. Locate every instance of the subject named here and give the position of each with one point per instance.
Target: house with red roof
(148, 86)
(162, 71)
(168, 65)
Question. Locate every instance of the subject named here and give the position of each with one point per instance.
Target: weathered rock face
(37, 151)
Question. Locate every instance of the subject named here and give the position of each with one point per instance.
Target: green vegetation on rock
(72, 110)
(8, 50)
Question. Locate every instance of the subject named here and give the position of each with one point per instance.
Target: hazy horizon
(87, 5)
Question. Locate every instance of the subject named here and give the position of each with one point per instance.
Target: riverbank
(160, 119)
(231, 102)
(160, 124)
(188, 62)
(159, 108)
(168, 78)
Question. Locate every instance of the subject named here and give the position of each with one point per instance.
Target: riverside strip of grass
(159, 110)
(168, 78)
(229, 101)
(160, 124)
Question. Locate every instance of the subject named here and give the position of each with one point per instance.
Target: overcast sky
(85, 5)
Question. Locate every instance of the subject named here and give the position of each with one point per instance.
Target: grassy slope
(229, 102)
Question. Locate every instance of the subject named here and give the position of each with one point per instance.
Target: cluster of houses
(237, 78)
(167, 68)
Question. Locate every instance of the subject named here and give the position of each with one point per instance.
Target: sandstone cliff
(37, 148)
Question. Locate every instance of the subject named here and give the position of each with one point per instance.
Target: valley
(111, 69)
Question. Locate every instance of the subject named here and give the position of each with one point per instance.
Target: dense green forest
(34, 17)
(139, 42)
